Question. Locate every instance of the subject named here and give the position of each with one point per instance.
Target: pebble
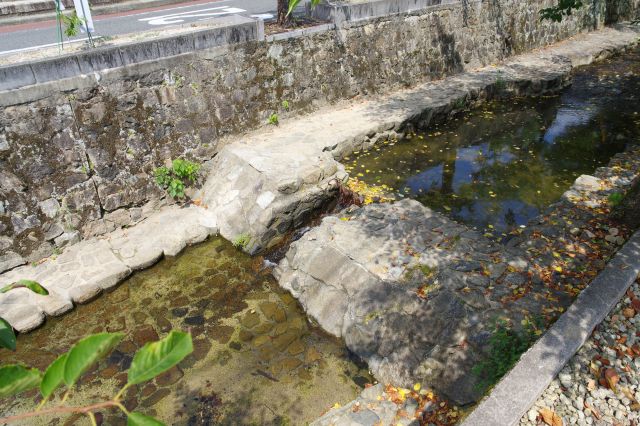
(570, 401)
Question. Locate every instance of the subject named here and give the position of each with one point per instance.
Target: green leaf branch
(150, 361)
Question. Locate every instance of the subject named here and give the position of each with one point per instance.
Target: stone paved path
(581, 393)
(86, 269)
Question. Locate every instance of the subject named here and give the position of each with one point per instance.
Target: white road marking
(180, 17)
(26, 49)
(165, 10)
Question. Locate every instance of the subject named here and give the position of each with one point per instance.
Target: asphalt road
(31, 36)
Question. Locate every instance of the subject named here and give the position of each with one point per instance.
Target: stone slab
(521, 387)
(405, 287)
(86, 269)
(165, 233)
(260, 191)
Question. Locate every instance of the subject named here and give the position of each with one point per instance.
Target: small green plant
(500, 83)
(72, 24)
(427, 270)
(459, 103)
(173, 178)
(506, 345)
(615, 198)
(285, 105)
(241, 241)
(294, 3)
(178, 80)
(273, 119)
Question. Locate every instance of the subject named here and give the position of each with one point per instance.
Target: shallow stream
(497, 167)
(257, 360)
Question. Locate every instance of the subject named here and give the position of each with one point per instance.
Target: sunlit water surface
(497, 167)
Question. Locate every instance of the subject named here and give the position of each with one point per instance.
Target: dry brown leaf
(595, 412)
(629, 312)
(625, 390)
(550, 417)
(612, 378)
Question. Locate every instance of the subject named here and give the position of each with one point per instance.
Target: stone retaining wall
(80, 163)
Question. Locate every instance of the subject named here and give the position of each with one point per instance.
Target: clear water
(257, 360)
(497, 167)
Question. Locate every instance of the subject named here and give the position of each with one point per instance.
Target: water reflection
(495, 168)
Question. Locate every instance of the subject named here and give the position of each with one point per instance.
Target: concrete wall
(77, 155)
(230, 30)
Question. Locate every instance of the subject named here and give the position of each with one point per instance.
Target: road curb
(522, 386)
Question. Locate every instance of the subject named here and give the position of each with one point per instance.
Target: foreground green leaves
(31, 285)
(16, 378)
(157, 357)
(139, 419)
(53, 377)
(294, 3)
(86, 352)
(7, 336)
(151, 360)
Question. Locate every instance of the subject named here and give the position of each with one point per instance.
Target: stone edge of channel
(523, 385)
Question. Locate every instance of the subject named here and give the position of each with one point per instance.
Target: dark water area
(497, 167)
(257, 359)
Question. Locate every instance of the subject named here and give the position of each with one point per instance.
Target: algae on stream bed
(256, 358)
(499, 166)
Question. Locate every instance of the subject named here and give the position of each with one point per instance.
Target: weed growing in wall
(173, 179)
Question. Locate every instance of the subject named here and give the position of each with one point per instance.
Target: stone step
(259, 191)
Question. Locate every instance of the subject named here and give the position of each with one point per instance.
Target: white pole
(84, 12)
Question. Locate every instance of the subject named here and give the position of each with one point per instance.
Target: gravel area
(601, 383)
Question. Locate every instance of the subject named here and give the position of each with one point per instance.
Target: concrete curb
(229, 30)
(300, 33)
(520, 389)
(338, 12)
